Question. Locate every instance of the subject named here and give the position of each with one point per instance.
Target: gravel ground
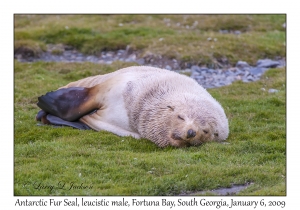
(207, 77)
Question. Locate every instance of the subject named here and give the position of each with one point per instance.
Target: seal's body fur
(145, 102)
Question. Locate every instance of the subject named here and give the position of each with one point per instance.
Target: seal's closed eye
(180, 117)
(172, 108)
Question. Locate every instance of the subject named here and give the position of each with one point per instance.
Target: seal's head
(190, 126)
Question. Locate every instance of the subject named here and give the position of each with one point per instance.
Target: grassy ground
(47, 160)
(184, 37)
(115, 165)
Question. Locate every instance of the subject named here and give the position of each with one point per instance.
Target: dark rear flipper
(53, 120)
(49, 119)
(69, 104)
(40, 115)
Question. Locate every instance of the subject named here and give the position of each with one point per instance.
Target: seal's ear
(172, 108)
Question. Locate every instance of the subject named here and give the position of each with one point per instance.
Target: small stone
(194, 74)
(133, 56)
(239, 72)
(257, 71)
(141, 61)
(273, 90)
(223, 31)
(250, 78)
(267, 63)
(242, 64)
(233, 69)
(238, 77)
(168, 67)
(196, 68)
(199, 77)
(211, 71)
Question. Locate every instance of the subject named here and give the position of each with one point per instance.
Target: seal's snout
(191, 133)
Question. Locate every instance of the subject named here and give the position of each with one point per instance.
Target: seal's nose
(191, 133)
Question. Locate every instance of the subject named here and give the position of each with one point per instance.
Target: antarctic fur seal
(140, 101)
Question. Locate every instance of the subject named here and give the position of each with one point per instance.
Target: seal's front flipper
(97, 123)
(68, 104)
(58, 121)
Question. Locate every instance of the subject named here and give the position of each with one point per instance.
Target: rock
(267, 63)
(120, 52)
(229, 79)
(207, 77)
(242, 64)
(141, 61)
(223, 31)
(168, 67)
(194, 74)
(273, 90)
(250, 78)
(131, 58)
(196, 68)
(257, 71)
(239, 73)
(199, 77)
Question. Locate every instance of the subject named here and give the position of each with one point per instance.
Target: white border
(8, 8)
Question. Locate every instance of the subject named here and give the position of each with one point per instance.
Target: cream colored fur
(156, 104)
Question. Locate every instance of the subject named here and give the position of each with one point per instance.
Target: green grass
(184, 37)
(112, 165)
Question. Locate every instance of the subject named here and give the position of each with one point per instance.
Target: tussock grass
(184, 37)
(112, 165)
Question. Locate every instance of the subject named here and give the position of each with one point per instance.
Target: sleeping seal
(143, 102)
